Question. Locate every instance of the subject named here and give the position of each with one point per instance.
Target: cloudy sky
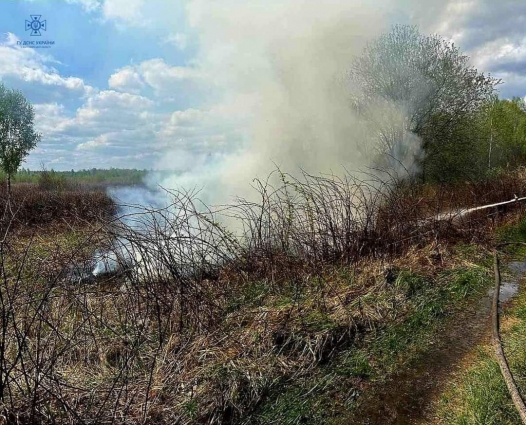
(170, 83)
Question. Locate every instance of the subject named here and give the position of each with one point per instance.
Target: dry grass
(214, 322)
(32, 206)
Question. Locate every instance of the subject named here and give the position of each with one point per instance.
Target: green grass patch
(513, 233)
(481, 399)
(251, 295)
(331, 391)
(480, 396)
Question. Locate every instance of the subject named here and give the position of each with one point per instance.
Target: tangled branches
(171, 316)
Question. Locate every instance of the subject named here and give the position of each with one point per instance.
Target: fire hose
(497, 342)
(466, 211)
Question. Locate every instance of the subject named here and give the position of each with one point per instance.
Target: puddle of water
(518, 267)
(508, 290)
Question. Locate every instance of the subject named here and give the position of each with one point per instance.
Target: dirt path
(408, 397)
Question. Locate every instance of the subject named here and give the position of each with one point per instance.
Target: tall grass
(50, 202)
(210, 309)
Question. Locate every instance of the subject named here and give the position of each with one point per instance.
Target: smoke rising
(277, 73)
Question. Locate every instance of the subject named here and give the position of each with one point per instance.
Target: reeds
(210, 309)
(33, 206)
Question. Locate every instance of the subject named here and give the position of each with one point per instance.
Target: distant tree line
(93, 176)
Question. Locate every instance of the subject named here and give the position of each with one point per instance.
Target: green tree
(17, 135)
(503, 124)
(425, 82)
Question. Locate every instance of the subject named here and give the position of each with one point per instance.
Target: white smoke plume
(277, 72)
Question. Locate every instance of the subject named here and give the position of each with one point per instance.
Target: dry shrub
(32, 206)
(198, 323)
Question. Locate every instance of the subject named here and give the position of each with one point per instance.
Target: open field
(293, 323)
(32, 206)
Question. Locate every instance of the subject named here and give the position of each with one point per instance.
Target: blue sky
(85, 45)
(92, 46)
(72, 79)
(176, 83)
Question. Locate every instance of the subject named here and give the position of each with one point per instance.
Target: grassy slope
(479, 395)
(332, 392)
(285, 353)
(398, 316)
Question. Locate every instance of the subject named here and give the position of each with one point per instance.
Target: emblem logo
(35, 25)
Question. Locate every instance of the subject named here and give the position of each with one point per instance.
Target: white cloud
(31, 66)
(107, 118)
(126, 79)
(160, 75)
(179, 40)
(89, 5)
(99, 141)
(58, 160)
(127, 11)
(492, 33)
(110, 99)
(49, 117)
(155, 73)
(11, 39)
(110, 111)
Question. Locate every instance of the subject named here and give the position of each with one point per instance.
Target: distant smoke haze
(276, 74)
(276, 71)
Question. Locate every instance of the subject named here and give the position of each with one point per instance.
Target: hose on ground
(497, 342)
